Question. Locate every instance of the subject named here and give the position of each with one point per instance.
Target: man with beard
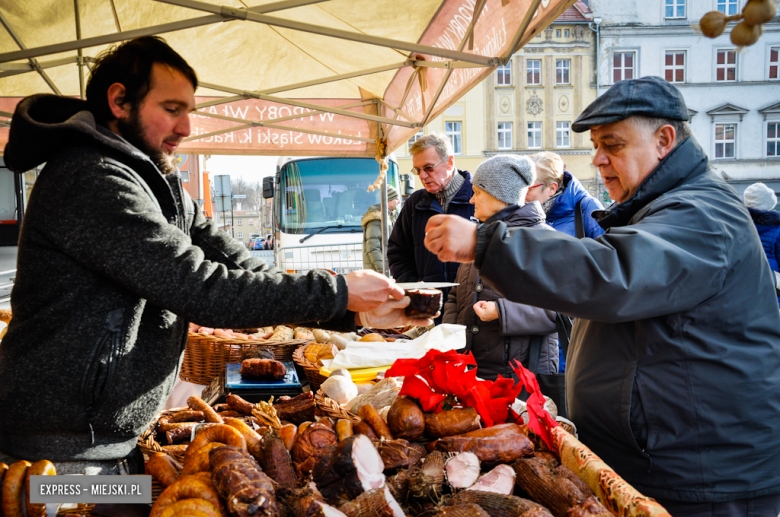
(115, 260)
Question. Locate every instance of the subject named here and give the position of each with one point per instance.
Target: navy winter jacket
(561, 214)
(768, 225)
(406, 253)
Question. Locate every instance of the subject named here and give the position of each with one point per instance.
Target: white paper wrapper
(360, 354)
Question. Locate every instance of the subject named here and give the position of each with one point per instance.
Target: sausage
(199, 460)
(344, 428)
(236, 403)
(183, 416)
(363, 428)
(370, 415)
(501, 449)
(164, 469)
(253, 440)
(452, 422)
(288, 433)
(230, 414)
(13, 489)
(3, 470)
(187, 488)
(176, 451)
(219, 433)
(406, 419)
(496, 430)
(164, 427)
(191, 508)
(198, 404)
(221, 407)
(39, 468)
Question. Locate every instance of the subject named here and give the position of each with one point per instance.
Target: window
(562, 71)
(240, 222)
(774, 53)
(674, 9)
(773, 139)
(504, 75)
(562, 134)
(504, 135)
(674, 66)
(412, 140)
(726, 65)
(533, 71)
(728, 7)
(557, 33)
(725, 140)
(534, 135)
(622, 66)
(251, 222)
(240, 234)
(565, 33)
(453, 130)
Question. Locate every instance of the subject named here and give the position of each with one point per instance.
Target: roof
(579, 12)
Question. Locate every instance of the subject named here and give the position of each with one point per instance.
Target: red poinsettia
(539, 420)
(443, 380)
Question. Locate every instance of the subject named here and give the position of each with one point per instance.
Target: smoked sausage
(164, 469)
(236, 403)
(198, 404)
(448, 423)
(219, 433)
(39, 468)
(406, 419)
(13, 489)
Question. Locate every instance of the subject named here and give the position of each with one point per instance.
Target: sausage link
(362, 427)
(164, 469)
(198, 404)
(199, 461)
(186, 488)
(219, 433)
(253, 440)
(344, 428)
(236, 403)
(39, 468)
(370, 416)
(13, 489)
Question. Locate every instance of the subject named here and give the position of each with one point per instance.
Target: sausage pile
(15, 487)
(407, 462)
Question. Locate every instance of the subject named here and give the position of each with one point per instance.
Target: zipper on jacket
(104, 360)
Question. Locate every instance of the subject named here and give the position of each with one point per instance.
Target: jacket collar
(765, 217)
(461, 197)
(530, 214)
(686, 162)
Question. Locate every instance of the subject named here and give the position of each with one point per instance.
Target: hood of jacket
(765, 217)
(44, 125)
(563, 203)
(374, 213)
(684, 163)
(530, 214)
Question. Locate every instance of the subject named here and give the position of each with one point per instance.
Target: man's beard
(132, 130)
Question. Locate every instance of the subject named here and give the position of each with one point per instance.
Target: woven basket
(148, 443)
(312, 371)
(206, 356)
(331, 408)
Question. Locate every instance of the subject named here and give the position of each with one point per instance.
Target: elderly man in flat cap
(673, 372)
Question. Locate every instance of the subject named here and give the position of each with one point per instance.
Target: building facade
(733, 94)
(530, 104)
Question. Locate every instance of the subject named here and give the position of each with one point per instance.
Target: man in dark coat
(115, 260)
(447, 191)
(674, 365)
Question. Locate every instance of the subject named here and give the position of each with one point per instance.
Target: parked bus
(318, 204)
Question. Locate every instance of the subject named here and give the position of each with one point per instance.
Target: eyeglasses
(428, 169)
(537, 185)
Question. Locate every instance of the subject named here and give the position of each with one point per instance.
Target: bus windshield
(328, 192)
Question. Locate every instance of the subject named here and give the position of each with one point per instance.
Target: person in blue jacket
(447, 191)
(761, 201)
(559, 192)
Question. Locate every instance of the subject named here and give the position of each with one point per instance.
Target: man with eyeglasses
(447, 191)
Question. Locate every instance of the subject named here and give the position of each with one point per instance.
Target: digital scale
(251, 390)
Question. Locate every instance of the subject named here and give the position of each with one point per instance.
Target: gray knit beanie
(506, 177)
(392, 193)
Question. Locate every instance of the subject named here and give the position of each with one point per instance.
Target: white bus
(318, 204)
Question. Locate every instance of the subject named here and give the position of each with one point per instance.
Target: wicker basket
(312, 371)
(206, 356)
(148, 443)
(331, 408)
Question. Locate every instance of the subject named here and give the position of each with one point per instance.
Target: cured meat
(288, 434)
(461, 510)
(406, 419)
(164, 469)
(296, 410)
(39, 468)
(236, 403)
(13, 489)
(220, 434)
(183, 416)
(500, 480)
(399, 485)
(253, 440)
(363, 428)
(372, 418)
(497, 505)
(198, 404)
(184, 433)
(340, 388)
(344, 428)
(354, 467)
(496, 430)
(374, 503)
(259, 352)
(309, 445)
(239, 480)
(499, 449)
(269, 369)
(452, 422)
(382, 394)
(194, 507)
(397, 453)
(462, 470)
(425, 303)
(551, 487)
(276, 461)
(187, 487)
(428, 477)
(590, 507)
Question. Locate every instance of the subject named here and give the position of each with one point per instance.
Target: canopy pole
(80, 58)
(521, 30)
(33, 62)
(116, 16)
(11, 69)
(381, 157)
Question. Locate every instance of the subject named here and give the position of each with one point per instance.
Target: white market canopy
(292, 77)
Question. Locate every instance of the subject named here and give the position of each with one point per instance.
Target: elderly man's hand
(368, 290)
(451, 238)
(390, 315)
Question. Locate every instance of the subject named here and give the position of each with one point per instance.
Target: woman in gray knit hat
(499, 331)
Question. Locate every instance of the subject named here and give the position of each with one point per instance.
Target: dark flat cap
(647, 96)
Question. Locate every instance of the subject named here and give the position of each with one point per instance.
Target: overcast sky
(251, 168)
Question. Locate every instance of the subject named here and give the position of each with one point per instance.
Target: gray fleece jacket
(114, 261)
